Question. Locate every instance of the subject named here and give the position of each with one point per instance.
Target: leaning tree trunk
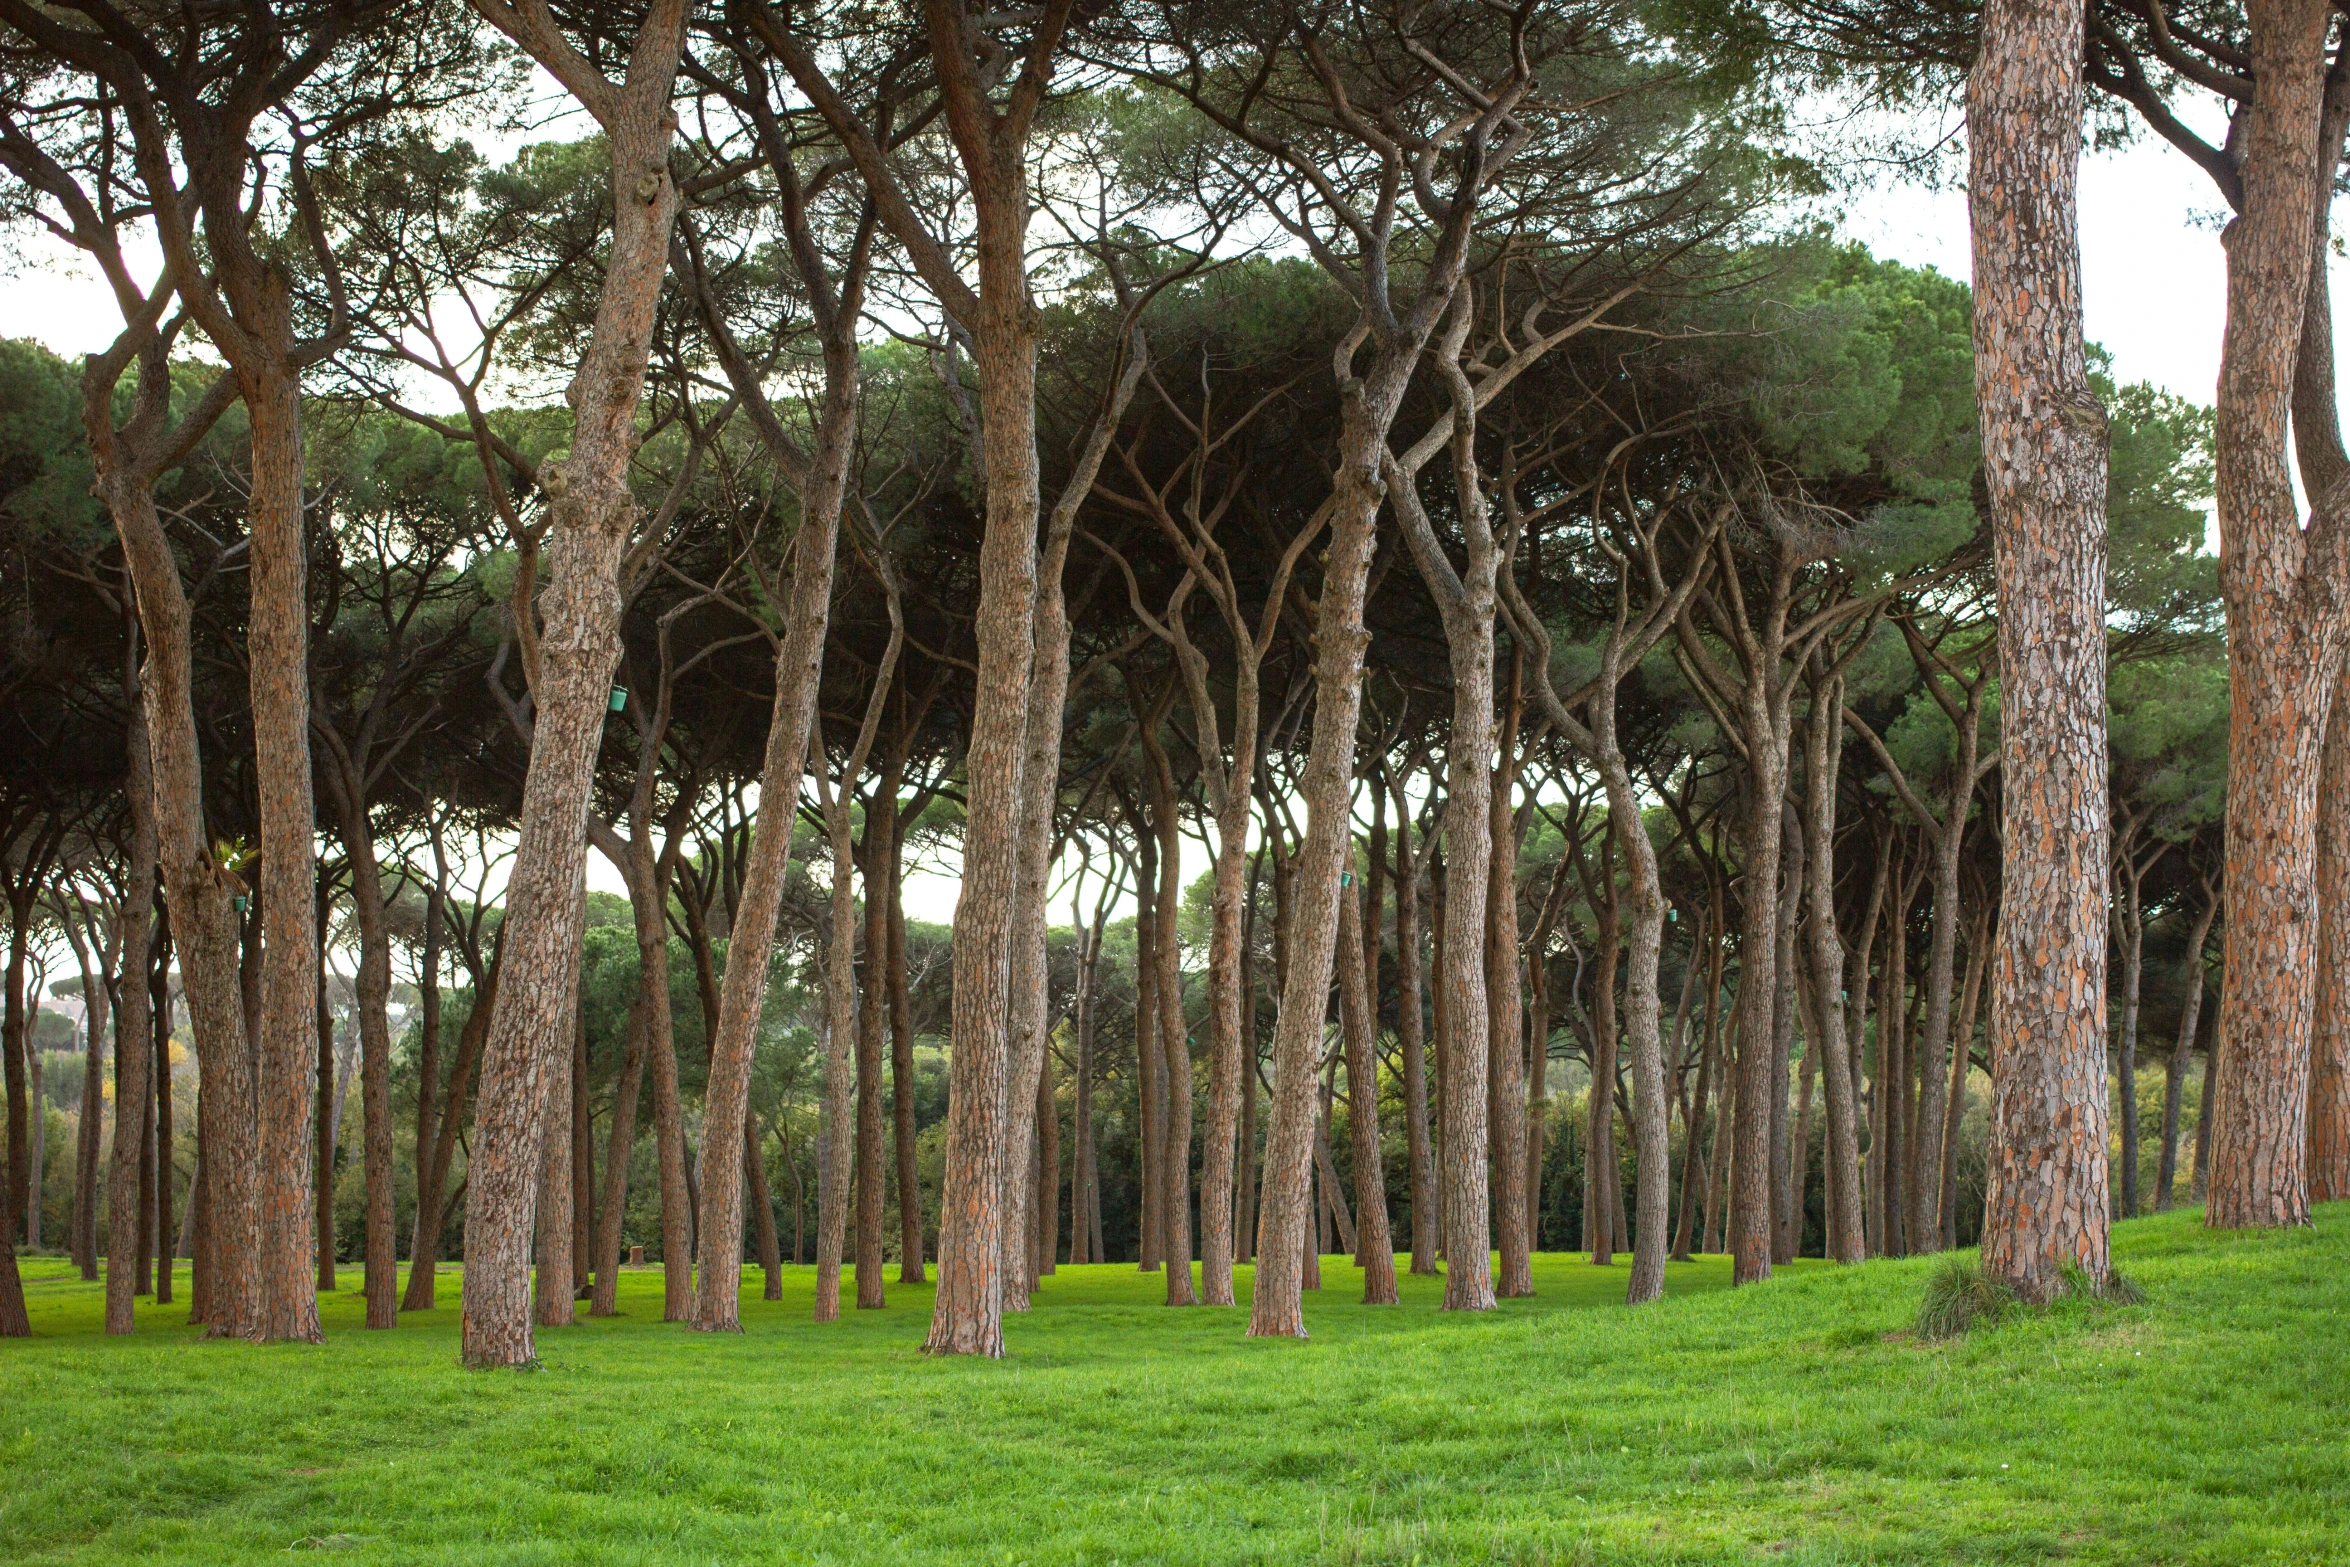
(1341, 638)
(1411, 1045)
(198, 894)
(1356, 1022)
(1505, 1056)
(2329, 1044)
(130, 1059)
(374, 994)
(1751, 1208)
(2132, 919)
(2283, 588)
(592, 517)
(1174, 1035)
(901, 1064)
(432, 1176)
(872, 1013)
(88, 1142)
(2044, 449)
(551, 1305)
(1823, 736)
(1644, 909)
(799, 664)
(1030, 977)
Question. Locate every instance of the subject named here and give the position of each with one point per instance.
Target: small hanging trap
(238, 903)
(619, 700)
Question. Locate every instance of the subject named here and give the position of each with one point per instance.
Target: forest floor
(1795, 1423)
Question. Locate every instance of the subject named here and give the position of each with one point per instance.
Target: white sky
(2153, 276)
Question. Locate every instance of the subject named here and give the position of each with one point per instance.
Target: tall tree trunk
(432, 1180)
(593, 515)
(1174, 1031)
(1081, 1098)
(551, 1304)
(2190, 1019)
(2214, 1065)
(1840, 1174)
(1695, 1173)
(583, 1165)
(374, 995)
(2130, 916)
(2329, 1043)
(1962, 1043)
(1751, 1209)
(1786, 1174)
(2044, 443)
(197, 889)
(1600, 1162)
(1505, 999)
(1894, 1078)
(1048, 1171)
(967, 1318)
(1356, 1022)
(762, 1216)
(81, 932)
(131, 1089)
(901, 1062)
(799, 664)
(324, 1122)
(1702, 1157)
(2283, 585)
(872, 1014)
(649, 882)
(1030, 977)
(1147, 1059)
(277, 639)
(428, 1074)
(1409, 1041)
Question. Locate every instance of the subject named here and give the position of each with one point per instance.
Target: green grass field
(1792, 1423)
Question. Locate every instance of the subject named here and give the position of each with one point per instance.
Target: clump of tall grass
(2115, 1289)
(1960, 1296)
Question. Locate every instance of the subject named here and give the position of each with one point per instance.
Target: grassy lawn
(1783, 1424)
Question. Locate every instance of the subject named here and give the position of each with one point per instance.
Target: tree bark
(872, 1014)
(323, 1119)
(822, 479)
(593, 514)
(551, 1305)
(1356, 1022)
(432, 1179)
(1506, 1016)
(131, 1089)
(1173, 1032)
(1147, 1058)
(1409, 1040)
(2190, 1019)
(1823, 757)
(374, 994)
(81, 932)
(2329, 1045)
(901, 1061)
(2284, 593)
(2044, 444)
(2133, 944)
(1786, 1177)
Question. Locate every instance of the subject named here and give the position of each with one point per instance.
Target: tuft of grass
(1959, 1296)
(2115, 1289)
